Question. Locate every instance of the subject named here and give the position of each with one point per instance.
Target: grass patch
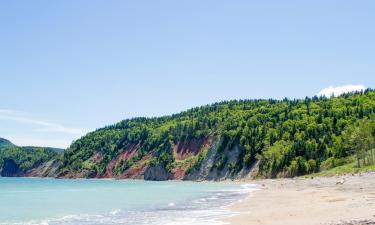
(344, 169)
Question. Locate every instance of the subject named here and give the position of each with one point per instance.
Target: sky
(69, 67)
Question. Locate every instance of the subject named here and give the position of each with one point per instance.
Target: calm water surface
(127, 202)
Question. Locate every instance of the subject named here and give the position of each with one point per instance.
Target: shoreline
(344, 199)
(336, 200)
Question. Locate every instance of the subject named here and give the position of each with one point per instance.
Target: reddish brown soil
(97, 157)
(185, 149)
(137, 170)
(178, 173)
(127, 153)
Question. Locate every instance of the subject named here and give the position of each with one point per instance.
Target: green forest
(289, 137)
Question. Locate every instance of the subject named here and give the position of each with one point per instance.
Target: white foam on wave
(250, 186)
(115, 212)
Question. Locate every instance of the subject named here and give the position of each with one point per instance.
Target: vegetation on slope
(359, 141)
(287, 137)
(26, 158)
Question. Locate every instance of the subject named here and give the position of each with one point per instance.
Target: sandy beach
(346, 199)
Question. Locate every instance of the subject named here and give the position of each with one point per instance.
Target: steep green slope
(223, 140)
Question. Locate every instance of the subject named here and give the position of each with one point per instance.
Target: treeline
(288, 137)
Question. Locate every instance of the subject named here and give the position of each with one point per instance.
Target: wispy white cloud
(45, 126)
(33, 134)
(6, 111)
(339, 90)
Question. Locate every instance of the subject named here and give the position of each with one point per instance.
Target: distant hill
(27, 160)
(5, 143)
(57, 150)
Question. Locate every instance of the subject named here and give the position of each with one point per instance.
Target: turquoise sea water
(90, 202)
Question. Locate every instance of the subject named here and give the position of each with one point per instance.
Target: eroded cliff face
(45, 169)
(196, 159)
(184, 154)
(220, 165)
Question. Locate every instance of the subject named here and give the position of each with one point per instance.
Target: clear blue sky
(71, 66)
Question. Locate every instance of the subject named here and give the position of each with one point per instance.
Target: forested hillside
(230, 139)
(20, 161)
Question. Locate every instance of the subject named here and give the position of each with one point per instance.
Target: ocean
(37, 201)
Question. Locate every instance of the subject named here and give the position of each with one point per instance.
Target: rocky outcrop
(220, 165)
(156, 173)
(126, 154)
(203, 170)
(46, 169)
(11, 169)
